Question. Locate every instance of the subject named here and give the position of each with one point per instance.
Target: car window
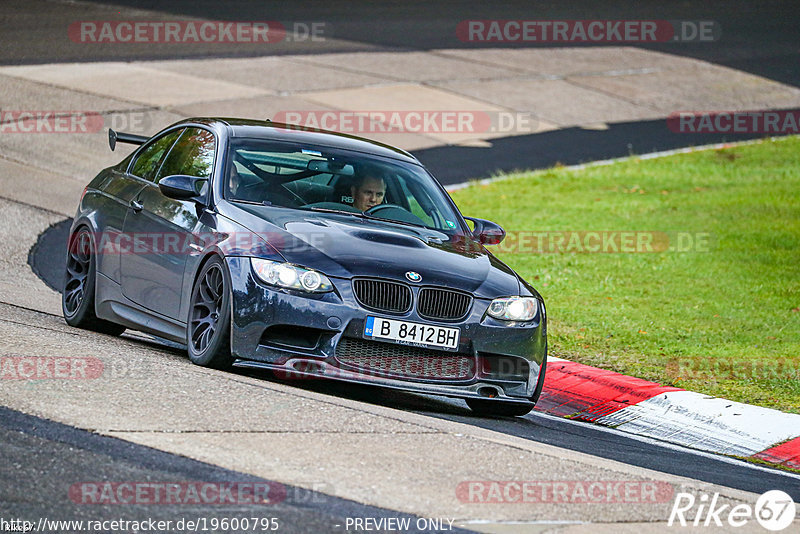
(192, 155)
(415, 207)
(148, 159)
(325, 179)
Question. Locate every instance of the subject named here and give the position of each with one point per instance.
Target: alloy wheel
(78, 262)
(206, 308)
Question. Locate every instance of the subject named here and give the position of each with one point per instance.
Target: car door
(161, 228)
(120, 190)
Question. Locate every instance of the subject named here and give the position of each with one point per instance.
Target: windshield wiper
(256, 202)
(363, 215)
(406, 223)
(341, 212)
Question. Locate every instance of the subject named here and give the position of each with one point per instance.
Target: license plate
(411, 333)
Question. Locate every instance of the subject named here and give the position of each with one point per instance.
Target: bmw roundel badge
(413, 277)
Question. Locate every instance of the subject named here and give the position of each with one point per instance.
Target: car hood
(345, 246)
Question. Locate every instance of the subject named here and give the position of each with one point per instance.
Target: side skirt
(111, 305)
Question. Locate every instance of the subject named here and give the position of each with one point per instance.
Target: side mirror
(487, 232)
(182, 187)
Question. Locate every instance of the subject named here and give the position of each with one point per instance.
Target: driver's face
(369, 194)
(233, 181)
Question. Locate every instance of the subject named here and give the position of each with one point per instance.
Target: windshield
(327, 180)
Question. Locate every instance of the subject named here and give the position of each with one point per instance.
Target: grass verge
(683, 270)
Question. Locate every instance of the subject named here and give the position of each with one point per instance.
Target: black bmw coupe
(309, 253)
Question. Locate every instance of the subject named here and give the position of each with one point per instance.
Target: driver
(368, 191)
(241, 190)
(234, 181)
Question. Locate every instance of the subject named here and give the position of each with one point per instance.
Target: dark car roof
(299, 134)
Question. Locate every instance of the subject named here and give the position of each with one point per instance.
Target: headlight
(514, 308)
(290, 276)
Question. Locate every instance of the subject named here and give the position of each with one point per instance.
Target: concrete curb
(670, 414)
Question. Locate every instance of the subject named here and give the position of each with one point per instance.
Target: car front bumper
(321, 336)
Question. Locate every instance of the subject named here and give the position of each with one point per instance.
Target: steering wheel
(395, 213)
(380, 207)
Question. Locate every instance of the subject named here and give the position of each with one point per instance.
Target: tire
(509, 409)
(499, 408)
(208, 330)
(77, 296)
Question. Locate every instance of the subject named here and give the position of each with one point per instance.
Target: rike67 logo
(774, 510)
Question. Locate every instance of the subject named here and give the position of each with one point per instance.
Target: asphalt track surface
(760, 38)
(573, 435)
(577, 436)
(34, 450)
(567, 146)
(581, 437)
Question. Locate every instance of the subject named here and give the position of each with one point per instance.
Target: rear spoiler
(123, 137)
